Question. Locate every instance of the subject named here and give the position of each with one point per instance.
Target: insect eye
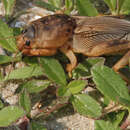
(27, 43)
(24, 31)
(68, 30)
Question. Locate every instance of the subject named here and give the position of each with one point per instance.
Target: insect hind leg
(121, 63)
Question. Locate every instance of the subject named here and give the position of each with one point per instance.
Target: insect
(90, 36)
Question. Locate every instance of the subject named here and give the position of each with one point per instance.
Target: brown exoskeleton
(91, 36)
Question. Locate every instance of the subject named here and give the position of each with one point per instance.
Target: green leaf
(6, 59)
(84, 69)
(6, 37)
(8, 5)
(86, 8)
(114, 4)
(63, 91)
(106, 101)
(16, 31)
(37, 126)
(102, 125)
(116, 117)
(120, 5)
(46, 5)
(25, 72)
(124, 101)
(1, 104)
(1, 76)
(86, 105)
(69, 6)
(53, 70)
(10, 114)
(76, 86)
(24, 101)
(126, 7)
(111, 4)
(36, 86)
(31, 61)
(56, 3)
(73, 87)
(109, 83)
